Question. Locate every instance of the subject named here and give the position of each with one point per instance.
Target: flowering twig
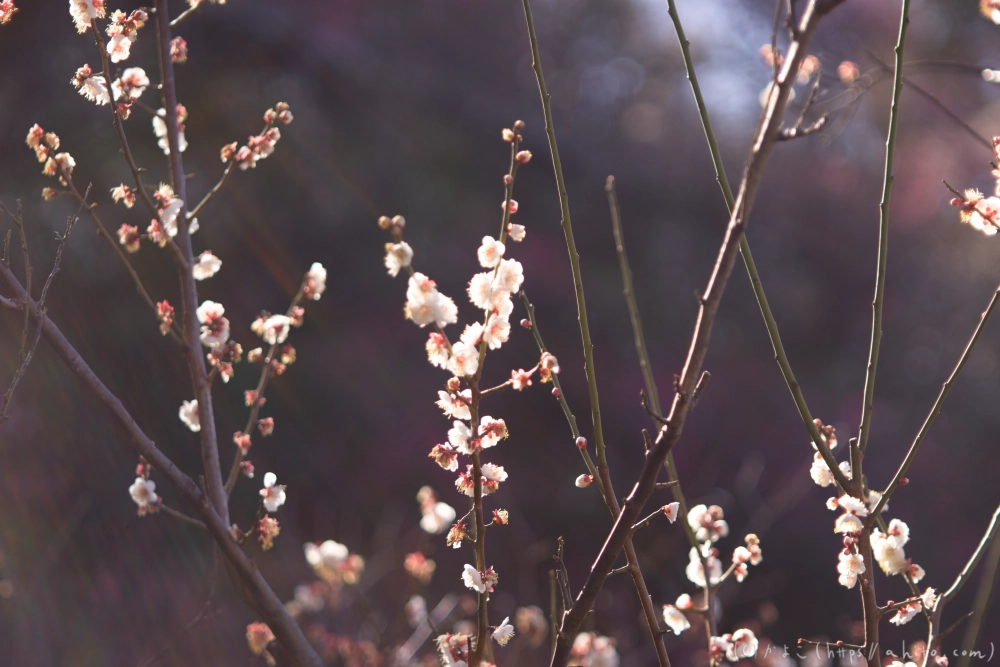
(214, 191)
(765, 138)
(758, 288)
(936, 408)
(254, 587)
(26, 351)
(963, 576)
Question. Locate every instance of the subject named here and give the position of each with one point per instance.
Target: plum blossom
(206, 266)
(695, 571)
(397, 256)
(95, 89)
(492, 476)
(476, 580)
(594, 650)
(583, 481)
(850, 521)
(671, 510)
(276, 328)
(497, 330)
(675, 619)
(718, 647)
(7, 11)
(915, 572)
(143, 492)
(520, 379)
(455, 405)
(929, 599)
(464, 359)
(445, 456)
(437, 518)
(743, 644)
(272, 493)
(437, 350)
(504, 632)
(425, 305)
(888, 548)
(160, 130)
(515, 232)
(849, 566)
(119, 47)
(906, 613)
(83, 11)
(684, 601)
(214, 327)
(707, 522)
(315, 281)
(459, 436)
(189, 415)
(133, 82)
(820, 471)
(490, 252)
(259, 635)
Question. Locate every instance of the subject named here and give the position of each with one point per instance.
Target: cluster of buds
(223, 357)
(261, 145)
(45, 144)
(279, 114)
(143, 490)
(129, 236)
(165, 313)
(123, 29)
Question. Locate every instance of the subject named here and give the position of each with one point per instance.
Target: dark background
(398, 109)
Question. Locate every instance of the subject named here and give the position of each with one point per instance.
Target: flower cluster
(45, 144)
(261, 145)
(974, 209)
(143, 490)
(7, 11)
(334, 563)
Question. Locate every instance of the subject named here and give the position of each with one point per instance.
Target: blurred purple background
(398, 109)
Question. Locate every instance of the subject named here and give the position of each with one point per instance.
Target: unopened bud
(399, 222)
(957, 201)
(526, 323)
(384, 222)
(581, 442)
(524, 157)
(508, 134)
(556, 392)
(508, 179)
(454, 384)
(904, 481)
(583, 481)
(519, 125)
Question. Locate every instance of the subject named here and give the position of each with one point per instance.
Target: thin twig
(981, 603)
(181, 516)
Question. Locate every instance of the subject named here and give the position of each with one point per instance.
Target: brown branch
(24, 358)
(214, 191)
(189, 290)
(765, 139)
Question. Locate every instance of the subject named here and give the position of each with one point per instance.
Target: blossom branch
(963, 576)
(765, 138)
(180, 515)
(758, 289)
(251, 584)
(189, 291)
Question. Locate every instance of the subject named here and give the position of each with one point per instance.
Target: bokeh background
(398, 109)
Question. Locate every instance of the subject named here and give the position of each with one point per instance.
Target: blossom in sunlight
(929, 599)
(520, 379)
(515, 232)
(548, 366)
(888, 551)
(497, 330)
(850, 566)
(178, 50)
(188, 414)
(675, 619)
(479, 581)
(982, 214)
(743, 644)
(445, 456)
(990, 9)
(83, 11)
(214, 327)
(490, 252)
(512, 207)
(92, 86)
(915, 572)
(671, 510)
(160, 130)
(123, 194)
(455, 405)
(276, 328)
(119, 47)
(850, 520)
(492, 476)
(820, 471)
(133, 82)
(437, 519)
(129, 237)
(315, 281)
(491, 431)
(707, 522)
(504, 632)
(906, 613)
(258, 637)
(267, 530)
(206, 266)
(718, 647)
(425, 305)
(437, 350)
(464, 359)
(510, 275)
(272, 493)
(695, 570)
(143, 492)
(397, 256)
(684, 601)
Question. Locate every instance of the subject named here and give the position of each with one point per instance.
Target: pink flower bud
(581, 442)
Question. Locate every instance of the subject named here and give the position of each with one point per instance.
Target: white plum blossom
(696, 572)
(119, 47)
(188, 414)
(472, 334)
(743, 644)
(206, 266)
(457, 407)
(272, 493)
(437, 350)
(916, 572)
(515, 232)
(473, 579)
(397, 256)
(484, 293)
(95, 89)
(888, 551)
(849, 521)
(425, 305)
(160, 130)
(459, 436)
(504, 632)
(906, 613)
(214, 327)
(316, 281)
(497, 331)
(929, 599)
(707, 522)
(491, 431)
(820, 471)
(490, 252)
(873, 498)
(169, 215)
(276, 328)
(675, 619)
(850, 566)
(684, 601)
(464, 359)
(143, 492)
(671, 511)
(83, 11)
(510, 275)
(133, 82)
(437, 518)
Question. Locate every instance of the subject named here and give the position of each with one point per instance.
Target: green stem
(883, 233)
